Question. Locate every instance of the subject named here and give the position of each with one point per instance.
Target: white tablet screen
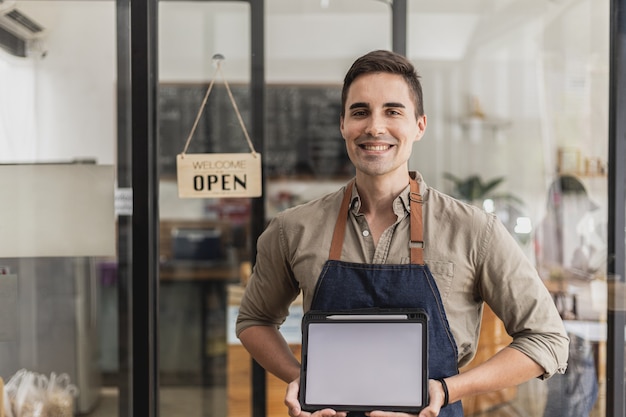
(365, 364)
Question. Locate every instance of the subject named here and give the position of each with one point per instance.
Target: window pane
(58, 279)
(204, 242)
(519, 94)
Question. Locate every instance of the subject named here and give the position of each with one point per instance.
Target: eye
(359, 113)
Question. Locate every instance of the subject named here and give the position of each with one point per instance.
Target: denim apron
(348, 286)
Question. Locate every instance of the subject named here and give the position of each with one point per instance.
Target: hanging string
(217, 59)
(241, 123)
(195, 123)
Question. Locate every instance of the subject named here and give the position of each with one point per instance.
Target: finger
(291, 400)
(378, 413)
(436, 399)
(430, 411)
(326, 412)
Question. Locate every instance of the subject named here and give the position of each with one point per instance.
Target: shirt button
(366, 233)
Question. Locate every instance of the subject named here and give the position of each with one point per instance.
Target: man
(388, 240)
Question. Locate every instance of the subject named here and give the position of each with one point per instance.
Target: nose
(375, 126)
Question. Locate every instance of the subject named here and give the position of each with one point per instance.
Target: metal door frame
(137, 145)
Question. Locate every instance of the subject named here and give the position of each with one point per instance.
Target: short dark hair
(385, 61)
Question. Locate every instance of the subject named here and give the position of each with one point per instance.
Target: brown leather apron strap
(417, 225)
(340, 226)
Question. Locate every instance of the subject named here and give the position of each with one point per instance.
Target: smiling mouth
(375, 147)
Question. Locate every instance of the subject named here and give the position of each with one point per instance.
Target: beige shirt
(472, 257)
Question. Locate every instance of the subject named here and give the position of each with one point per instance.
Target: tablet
(364, 360)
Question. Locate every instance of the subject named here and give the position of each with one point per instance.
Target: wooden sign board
(219, 175)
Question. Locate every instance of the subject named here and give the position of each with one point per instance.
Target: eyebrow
(400, 105)
(360, 105)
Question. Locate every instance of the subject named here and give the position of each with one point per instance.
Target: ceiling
(454, 26)
(377, 6)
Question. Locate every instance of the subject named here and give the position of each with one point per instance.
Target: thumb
(291, 398)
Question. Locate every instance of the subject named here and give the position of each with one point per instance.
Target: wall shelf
(475, 127)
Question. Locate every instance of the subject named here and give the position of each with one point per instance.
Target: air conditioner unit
(18, 23)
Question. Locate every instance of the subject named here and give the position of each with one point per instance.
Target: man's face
(379, 125)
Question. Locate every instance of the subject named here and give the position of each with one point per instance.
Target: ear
(421, 127)
(341, 125)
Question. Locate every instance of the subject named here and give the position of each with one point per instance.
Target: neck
(378, 192)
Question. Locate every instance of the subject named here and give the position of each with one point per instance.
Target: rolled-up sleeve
(510, 285)
(271, 288)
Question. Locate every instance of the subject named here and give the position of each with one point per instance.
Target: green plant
(473, 188)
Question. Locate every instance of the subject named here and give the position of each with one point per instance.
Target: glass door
(205, 243)
(208, 244)
(515, 93)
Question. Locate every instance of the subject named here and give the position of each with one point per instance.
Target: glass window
(520, 99)
(58, 270)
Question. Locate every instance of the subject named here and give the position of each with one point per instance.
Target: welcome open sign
(219, 175)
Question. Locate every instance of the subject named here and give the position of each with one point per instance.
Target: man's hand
(293, 405)
(436, 397)
(435, 393)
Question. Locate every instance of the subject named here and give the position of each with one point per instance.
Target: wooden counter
(239, 366)
(493, 338)
(239, 389)
(220, 271)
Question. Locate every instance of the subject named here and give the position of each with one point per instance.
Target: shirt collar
(402, 203)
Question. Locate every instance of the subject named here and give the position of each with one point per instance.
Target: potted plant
(508, 207)
(475, 191)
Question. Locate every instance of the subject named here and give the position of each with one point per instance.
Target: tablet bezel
(404, 315)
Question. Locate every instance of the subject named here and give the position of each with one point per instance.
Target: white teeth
(376, 147)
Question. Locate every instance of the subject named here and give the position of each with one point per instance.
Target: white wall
(75, 70)
(17, 104)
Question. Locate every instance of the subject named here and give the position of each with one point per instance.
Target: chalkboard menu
(302, 137)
